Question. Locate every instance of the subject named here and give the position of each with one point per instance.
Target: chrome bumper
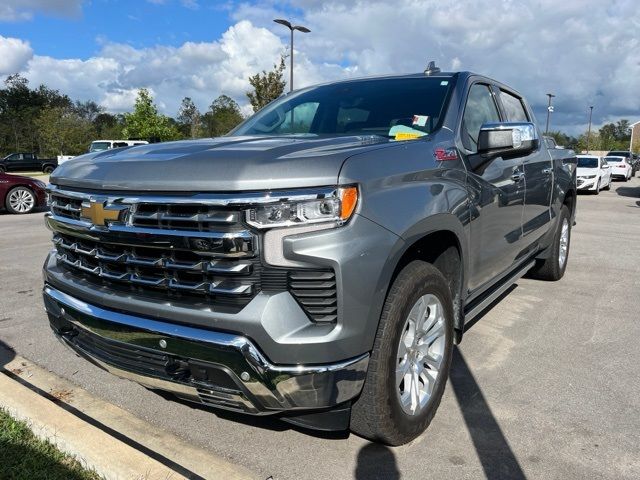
(219, 369)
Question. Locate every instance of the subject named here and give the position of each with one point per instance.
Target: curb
(102, 436)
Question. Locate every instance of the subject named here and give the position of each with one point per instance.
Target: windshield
(619, 153)
(99, 146)
(388, 107)
(587, 162)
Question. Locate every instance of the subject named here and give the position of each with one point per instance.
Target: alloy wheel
(564, 243)
(420, 354)
(21, 200)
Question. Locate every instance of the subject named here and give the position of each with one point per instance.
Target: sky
(586, 52)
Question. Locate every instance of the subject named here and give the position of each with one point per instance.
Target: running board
(479, 308)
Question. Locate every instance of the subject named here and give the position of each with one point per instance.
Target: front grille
(188, 252)
(316, 293)
(197, 218)
(169, 270)
(65, 206)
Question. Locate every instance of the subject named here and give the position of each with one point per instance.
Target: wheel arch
(441, 241)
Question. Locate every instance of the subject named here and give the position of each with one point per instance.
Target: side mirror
(507, 139)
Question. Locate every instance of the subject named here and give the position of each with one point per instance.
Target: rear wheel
(410, 360)
(20, 200)
(553, 267)
(48, 169)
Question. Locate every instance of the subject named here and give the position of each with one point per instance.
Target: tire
(608, 187)
(553, 267)
(597, 190)
(379, 414)
(20, 200)
(48, 169)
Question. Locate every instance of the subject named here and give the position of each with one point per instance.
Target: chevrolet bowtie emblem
(99, 214)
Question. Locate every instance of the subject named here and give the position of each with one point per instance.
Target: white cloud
(17, 10)
(584, 51)
(14, 55)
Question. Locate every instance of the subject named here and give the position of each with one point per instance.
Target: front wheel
(411, 357)
(20, 200)
(597, 190)
(48, 169)
(553, 267)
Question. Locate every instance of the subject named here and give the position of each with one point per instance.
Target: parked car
(594, 173)
(21, 194)
(100, 145)
(320, 269)
(620, 167)
(631, 159)
(27, 162)
(64, 158)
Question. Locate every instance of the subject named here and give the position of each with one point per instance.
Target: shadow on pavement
(492, 448)
(376, 461)
(6, 353)
(628, 191)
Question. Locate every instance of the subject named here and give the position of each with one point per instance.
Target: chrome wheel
(420, 354)
(21, 200)
(564, 243)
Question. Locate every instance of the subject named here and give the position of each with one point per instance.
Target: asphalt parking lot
(545, 386)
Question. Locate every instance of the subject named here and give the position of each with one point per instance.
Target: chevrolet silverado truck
(319, 262)
(25, 162)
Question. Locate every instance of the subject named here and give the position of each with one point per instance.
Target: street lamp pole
(549, 110)
(291, 27)
(589, 131)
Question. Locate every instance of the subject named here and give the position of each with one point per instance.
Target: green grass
(23, 456)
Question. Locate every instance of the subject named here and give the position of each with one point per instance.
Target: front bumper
(211, 367)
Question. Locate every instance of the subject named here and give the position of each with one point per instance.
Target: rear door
(538, 175)
(497, 192)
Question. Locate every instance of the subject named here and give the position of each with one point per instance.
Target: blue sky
(586, 52)
(139, 23)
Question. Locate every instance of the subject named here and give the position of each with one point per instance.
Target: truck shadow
(492, 448)
(628, 192)
(7, 354)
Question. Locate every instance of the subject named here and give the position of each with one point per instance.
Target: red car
(21, 194)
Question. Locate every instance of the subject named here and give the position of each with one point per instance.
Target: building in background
(635, 137)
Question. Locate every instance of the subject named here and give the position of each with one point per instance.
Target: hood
(217, 164)
(582, 171)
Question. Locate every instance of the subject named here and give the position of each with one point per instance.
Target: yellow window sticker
(407, 136)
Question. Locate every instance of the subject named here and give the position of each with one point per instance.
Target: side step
(480, 306)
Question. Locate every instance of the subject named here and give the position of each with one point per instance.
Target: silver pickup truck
(321, 260)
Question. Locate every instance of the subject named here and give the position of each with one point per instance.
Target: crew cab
(26, 162)
(319, 262)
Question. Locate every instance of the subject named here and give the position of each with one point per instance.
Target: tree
(267, 86)
(189, 119)
(62, 131)
(88, 110)
(146, 122)
(108, 126)
(223, 115)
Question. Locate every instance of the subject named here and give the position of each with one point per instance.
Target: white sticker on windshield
(444, 83)
(420, 120)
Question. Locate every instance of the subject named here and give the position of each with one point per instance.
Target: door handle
(517, 177)
(547, 171)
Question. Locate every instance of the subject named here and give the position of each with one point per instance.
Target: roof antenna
(431, 68)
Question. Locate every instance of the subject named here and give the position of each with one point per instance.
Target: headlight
(306, 208)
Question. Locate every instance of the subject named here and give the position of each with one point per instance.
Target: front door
(497, 191)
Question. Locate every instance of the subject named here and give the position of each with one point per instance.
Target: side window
(14, 157)
(480, 109)
(513, 108)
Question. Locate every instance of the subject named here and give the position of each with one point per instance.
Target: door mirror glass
(507, 139)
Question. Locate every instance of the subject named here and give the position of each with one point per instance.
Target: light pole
(549, 110)
(300, 28)
(589, 131)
